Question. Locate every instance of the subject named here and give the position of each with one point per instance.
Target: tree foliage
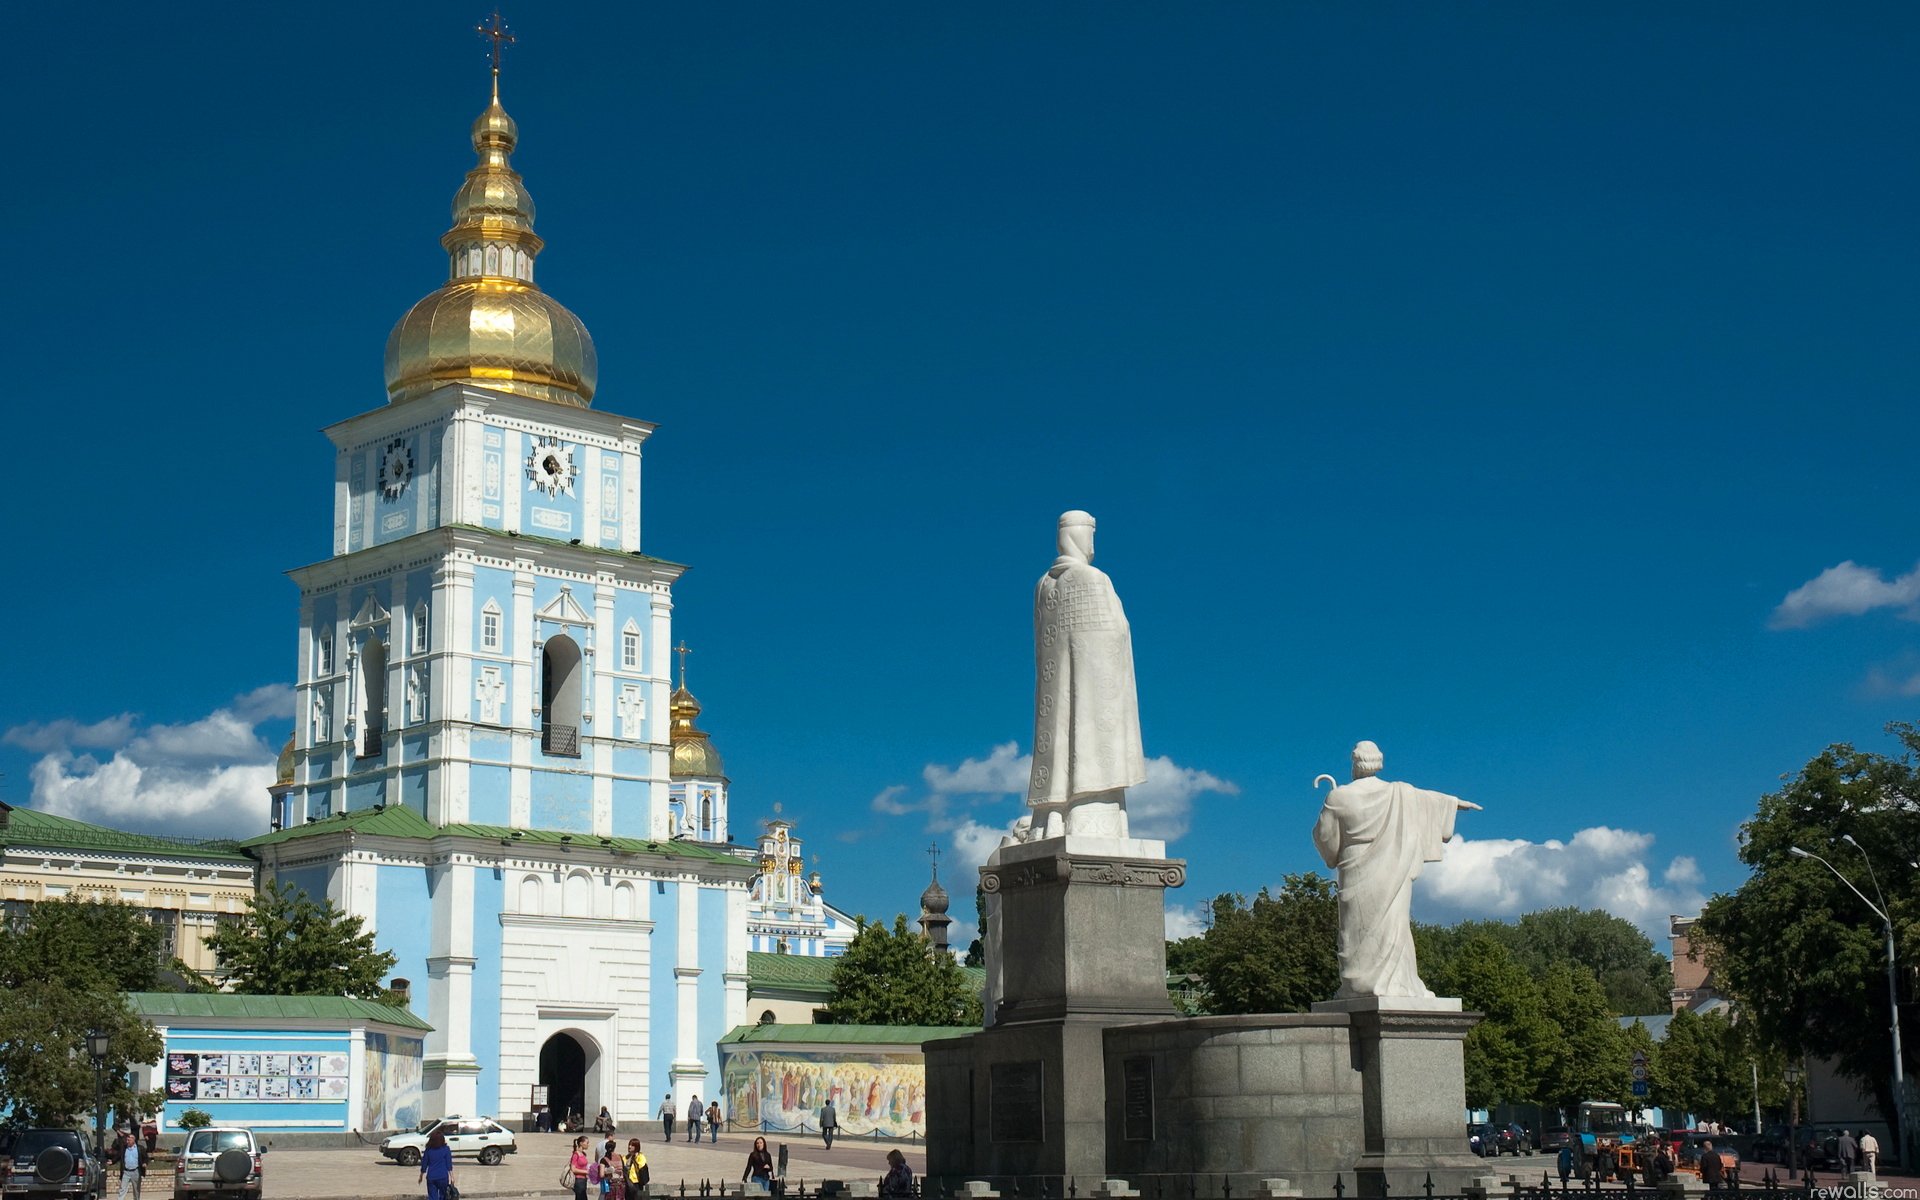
(288, 945)
(1633, 975)
(1798, 951)
(893, 977)
(1279, 953)
(63, 968)
(1505, 1051)
(1587, 1058)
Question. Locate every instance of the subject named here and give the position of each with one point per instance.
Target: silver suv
(48, 1164)
(220, 1160)
(482, 1137)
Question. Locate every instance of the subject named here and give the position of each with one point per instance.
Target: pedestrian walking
(694, 1113)
(713, 1121)
(436, 1166)
(579, 1166)
(1870, 1152)
(759, 1172)
(1566, 1164)
(1713, 1172)
(898, 1181)
(638, 1175)
(667, 1115)
(1849, 1152)
(829, 1124)
(130, 1168)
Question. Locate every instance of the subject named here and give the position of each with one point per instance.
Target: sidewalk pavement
(535, 1169)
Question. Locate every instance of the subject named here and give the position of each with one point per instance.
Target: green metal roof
(226, 1007)
(25, 827)
(399, 821)
(845, 1035)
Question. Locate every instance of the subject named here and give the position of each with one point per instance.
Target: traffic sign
(1639, 1087)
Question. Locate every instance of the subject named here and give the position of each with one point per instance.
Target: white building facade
(481, 760)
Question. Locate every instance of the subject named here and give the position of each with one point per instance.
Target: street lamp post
(1893, 981)
(98, 1043)
(1793, 1119)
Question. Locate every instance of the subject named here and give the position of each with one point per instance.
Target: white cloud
(1846, 590)
(1185, 920)
(202, 778)
(1159, 808)
(1600, 868)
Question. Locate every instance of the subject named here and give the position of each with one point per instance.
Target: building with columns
(482, 762)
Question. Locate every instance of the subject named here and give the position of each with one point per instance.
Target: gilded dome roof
(283, 772)
(491, 324)
(694, 756)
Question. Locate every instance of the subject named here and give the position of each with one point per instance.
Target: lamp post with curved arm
(1893, 981)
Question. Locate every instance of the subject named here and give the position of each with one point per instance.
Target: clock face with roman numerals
(550, 468)
(396, 468)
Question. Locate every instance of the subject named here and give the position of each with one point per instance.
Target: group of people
(760, 1174)
(1854, 1154)
(610, 1175)
(695, 1114)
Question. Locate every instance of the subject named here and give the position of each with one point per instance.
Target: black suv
(48, 1164)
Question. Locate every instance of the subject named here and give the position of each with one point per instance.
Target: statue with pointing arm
(1377, 834)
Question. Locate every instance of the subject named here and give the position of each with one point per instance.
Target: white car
(483, 1137)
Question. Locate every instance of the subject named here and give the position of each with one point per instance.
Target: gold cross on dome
(683, 651)
(495, 31)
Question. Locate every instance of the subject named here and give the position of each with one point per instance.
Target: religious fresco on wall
(781, 1091)
(392, 1097)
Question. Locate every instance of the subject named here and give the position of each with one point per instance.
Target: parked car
(1483, 1140)
(1555, 1137)
(1514, 1139)
(482, 1137)
(221, 1160)
(1691, 1148)
(49, 1163)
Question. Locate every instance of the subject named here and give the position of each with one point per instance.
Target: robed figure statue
(1378, 834)
(1086, 721)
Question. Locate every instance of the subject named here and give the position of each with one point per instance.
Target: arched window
(490, 627)
(493, 260)
(630, 647)
(767, 1017)
(373, 696)
(420, 633)
(706, 814)
(576, 896)
(530, 894)
(560, 693)
(623, 901)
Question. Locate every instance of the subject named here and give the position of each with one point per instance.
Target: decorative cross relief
(322, 717)
(491, 692)
(633, 710)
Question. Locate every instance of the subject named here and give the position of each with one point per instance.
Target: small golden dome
(693, 754)
(491, 323)
(284, 768)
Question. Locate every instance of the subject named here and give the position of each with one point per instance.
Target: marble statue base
(1412, 1064)
(1081, 947)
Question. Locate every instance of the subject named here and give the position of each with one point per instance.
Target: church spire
(694, 756)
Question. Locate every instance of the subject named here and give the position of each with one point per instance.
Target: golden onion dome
(694, 756)
(283, 770)
(491, 324)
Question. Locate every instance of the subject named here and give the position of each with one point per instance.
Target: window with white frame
(420, 629)
(630, 647)
(323, 654)
(490, 627)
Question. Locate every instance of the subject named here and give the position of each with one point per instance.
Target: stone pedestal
(1412, 1066)
(1079, 946)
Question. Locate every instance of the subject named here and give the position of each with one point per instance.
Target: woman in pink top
(579, 1166)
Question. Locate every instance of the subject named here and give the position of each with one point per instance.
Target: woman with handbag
(759, 1172)
(436, 1166)
(577, 1168)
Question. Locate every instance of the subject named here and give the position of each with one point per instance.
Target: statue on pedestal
(1086, 721)
(1378, 834)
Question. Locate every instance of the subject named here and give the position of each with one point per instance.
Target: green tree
(977, 948)
(1632, 973)
(1278, 954)
(287, 945)
(1799, 953)
(1505, 1051)
(893, 977)
(1588, 1057)
(63, 968)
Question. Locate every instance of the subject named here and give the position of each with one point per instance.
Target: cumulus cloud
(975, 803)
(201, 778)
(1846, 590)
(1600, 867)
(1185, 920)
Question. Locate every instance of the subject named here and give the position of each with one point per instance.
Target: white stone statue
(1086, 721)
(1378, 834)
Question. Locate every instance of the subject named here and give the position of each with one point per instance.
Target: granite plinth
(1412, 1067)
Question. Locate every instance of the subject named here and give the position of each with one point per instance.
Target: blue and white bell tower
(482, 753)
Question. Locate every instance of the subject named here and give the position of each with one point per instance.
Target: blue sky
(1479, 379)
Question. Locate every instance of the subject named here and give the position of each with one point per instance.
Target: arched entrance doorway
(569, 1071)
